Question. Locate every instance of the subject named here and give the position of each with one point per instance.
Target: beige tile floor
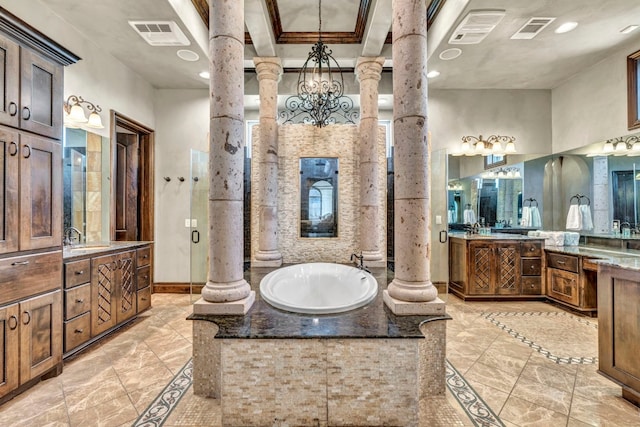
(111, 383)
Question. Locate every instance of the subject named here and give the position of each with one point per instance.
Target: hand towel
(469, 216)
(587, 222)
(574, 218)
(536, 221)
(525, 221)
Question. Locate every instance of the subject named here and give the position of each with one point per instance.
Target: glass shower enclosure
(199, 218)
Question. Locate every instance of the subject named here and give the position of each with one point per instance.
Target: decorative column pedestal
(411, 291)
(368, 71)
(226, 291)
(269, 71)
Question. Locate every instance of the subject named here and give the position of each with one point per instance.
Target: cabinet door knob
(79, 331)
(80, 300)
(79, 272)
(143, 299)
(13, 108)
(145, 256)
(13, 322)
(13, 148)
(26, 113)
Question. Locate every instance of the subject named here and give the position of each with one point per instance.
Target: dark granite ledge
(263, 321)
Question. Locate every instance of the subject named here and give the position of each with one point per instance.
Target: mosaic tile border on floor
(491, 316)
(476, 409)
(159, 410)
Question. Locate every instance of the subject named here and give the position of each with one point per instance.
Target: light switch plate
(194, 222)
(187, 222)
(438, 219)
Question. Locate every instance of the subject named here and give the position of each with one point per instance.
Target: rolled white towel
(585, 213)
(535, 217)
(571, 238)
(558, 238)
(574, 218)
(525, 221)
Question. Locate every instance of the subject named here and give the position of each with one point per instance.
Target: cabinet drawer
(531, 266)
(532, 285)
(531, 249)
(144, 299)
(562, 262)
(589, 265)
(77, 331)
(143, 256)
(563, 285)
(28, 275)
(77, 301)
(77, 272)
(144, 278)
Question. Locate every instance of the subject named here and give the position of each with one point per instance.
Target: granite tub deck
(364, 367)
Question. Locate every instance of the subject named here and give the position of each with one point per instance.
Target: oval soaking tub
(318, 288)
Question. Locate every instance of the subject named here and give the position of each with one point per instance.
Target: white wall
(592, 106)
(98, 77)
(182, 118)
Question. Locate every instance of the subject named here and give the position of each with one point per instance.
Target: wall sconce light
(620, 147)
(503, 173)
(495, 144)
(74, 113)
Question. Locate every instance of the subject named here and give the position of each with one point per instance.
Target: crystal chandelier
(320, 88)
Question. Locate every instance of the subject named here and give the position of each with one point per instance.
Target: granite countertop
(492, 236)
(611, 236)
(263, 321)
(98, 248)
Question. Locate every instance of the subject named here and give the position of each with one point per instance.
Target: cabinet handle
(13, 108)
(80, 300)
(19, 263)
(13, 322)
(561, 262)
(28, 154)
(79, 331)
(79, 272)
(28, 320)
(26, 113)
(13, 149)
(143, 299)
(145, 277)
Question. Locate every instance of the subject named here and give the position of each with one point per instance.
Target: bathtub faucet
(359, 258)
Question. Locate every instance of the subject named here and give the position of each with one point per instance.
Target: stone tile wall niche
(299, 140)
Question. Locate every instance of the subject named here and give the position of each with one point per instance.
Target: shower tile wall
(341, 141)
(94, 187)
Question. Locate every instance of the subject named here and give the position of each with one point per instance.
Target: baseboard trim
(176, 288)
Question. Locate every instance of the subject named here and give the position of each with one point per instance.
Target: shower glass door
(199, 246)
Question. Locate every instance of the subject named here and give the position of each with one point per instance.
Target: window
(633, 90)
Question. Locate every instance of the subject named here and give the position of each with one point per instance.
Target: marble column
(411, 291)
(368, 70)
(269, 71)
(226, 290)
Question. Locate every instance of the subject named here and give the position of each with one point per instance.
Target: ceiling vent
(532, 28)
(160, 33)
(476, 26)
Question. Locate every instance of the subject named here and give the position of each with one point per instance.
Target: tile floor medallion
(157, 413)
(476, 409)
(549, 332)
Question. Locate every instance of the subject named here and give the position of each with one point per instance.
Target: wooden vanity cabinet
(485, 268)
(572, 281)
(104, 291)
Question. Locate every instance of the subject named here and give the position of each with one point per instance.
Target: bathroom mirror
(318, 197)
(86, 163)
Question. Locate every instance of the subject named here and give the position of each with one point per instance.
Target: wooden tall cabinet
(31, 101)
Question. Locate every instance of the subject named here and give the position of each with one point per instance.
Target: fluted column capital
(369, 67)
(268, 67)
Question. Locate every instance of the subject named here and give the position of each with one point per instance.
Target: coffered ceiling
(353, 28)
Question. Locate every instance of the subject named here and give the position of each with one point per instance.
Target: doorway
(132, 215)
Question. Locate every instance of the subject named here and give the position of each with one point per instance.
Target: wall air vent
(532, 28)
(160, 33)
(476, 26)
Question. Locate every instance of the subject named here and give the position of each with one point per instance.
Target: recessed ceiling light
(187, 55)
(628, 29)
(204, 74)
(566, 27)
(449, 54)
(432, 74)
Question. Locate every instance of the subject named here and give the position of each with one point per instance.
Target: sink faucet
(68, 240)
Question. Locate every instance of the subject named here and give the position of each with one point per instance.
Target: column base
(404, 308)
(238, 308)
(267, 259)
(373, 259)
